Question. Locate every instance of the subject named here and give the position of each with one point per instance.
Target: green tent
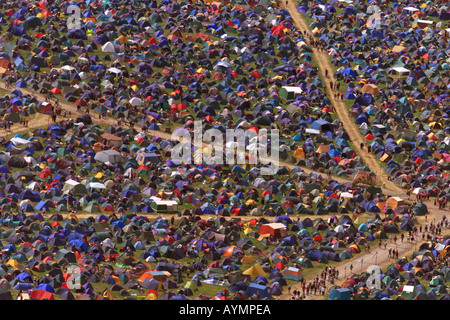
(420, 209)
(408, 292)
(191, 285)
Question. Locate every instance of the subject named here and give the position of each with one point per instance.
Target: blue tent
(365, 99)
(21, 84)
(369, 206)
(46, 287)
(289, 241)
(348, 72)
(261, 290)
(79, 244)
(362, 118)
(23, 286)
(314, 255)
(321, 125)
(23, 276)
(30, 195)
(42, 205)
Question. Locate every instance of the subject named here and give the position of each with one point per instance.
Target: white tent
(410, 10)
(17, 140)
(74, 186)
(312, 131)
(31, 160)
(344, 195)
(295, 90)
(68, 68)
(95, 185)
(116, 71)
(400, 69)
(34, 185)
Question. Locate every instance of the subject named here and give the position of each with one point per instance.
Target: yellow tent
(255, 271)
(122, 39)
(151, 296)
(12, 263)
(108, 294)
(99, 175)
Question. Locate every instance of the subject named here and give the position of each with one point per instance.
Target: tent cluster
(394, 66)
(404, 279)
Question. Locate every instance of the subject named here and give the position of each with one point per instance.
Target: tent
(278, 230)
(292, 273)
(74, 187)
(394, 202)
(261, 291)
(255, 271)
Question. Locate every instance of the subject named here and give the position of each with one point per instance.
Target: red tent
(317, 237)
(41, 295)
(279, 265)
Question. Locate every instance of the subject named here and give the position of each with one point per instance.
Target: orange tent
(299, 153)
(145, 275)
